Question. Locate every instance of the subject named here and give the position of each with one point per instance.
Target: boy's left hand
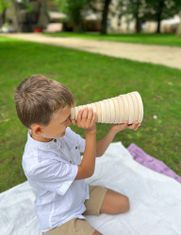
(122, 126)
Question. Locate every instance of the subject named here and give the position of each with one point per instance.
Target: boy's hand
(122, 126)
(86, 119)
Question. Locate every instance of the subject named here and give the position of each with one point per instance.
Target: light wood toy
(123, 108)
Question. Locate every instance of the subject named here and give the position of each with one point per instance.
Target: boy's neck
(40, 138)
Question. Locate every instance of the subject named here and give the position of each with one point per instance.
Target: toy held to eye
(127, 107)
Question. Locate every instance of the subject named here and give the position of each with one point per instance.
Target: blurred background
(104, 16)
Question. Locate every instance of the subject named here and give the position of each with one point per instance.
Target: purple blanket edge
(151, 162)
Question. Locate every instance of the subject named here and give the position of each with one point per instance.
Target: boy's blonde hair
(38, 97)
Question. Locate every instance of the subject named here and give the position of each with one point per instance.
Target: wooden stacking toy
(123, 108)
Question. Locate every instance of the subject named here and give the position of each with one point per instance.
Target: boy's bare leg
(97, 233)
(114, 203)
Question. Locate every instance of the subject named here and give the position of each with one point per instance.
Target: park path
(164, 55)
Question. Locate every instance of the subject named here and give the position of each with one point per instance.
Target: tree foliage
(73, 9)
(144, 10)
(162, 9)
(4, 4)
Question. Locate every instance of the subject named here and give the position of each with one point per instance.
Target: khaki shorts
(81, 226)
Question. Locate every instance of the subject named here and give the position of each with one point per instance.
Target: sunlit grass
(150, 39)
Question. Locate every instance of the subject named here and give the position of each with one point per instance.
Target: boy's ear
(36, 129)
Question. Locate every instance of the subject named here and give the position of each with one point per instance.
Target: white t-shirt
(51, 168)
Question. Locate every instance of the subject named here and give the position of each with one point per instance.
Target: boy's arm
(87, 119)
(86, 168)
(103, 144)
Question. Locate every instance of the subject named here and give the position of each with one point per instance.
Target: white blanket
(155, 200)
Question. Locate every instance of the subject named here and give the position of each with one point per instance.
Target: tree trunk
(16, 20)
(2, 17)
(137, 18)
(105, 16)
(158, 23)
(138, 24)
(43, 19)
(159, 15)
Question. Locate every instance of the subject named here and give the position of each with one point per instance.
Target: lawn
(90, 77)
(150, 39)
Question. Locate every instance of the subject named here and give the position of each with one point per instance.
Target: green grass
(91, 78)
(150, 39)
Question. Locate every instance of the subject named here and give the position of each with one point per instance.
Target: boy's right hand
(86, 119)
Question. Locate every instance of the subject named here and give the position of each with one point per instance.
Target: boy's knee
(127, 204)
(124, 204)
(97, 233)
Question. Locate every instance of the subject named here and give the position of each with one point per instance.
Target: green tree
(35, 14)
(4, 4)
(162, 9)
(136, 9)
(73, 9)
(144, 10)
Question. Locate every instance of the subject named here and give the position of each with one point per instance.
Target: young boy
(52, 159)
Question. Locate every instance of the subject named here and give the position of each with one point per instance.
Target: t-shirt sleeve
(55, 176)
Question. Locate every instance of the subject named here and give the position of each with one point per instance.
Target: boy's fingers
(137, 126)
(131, 126)
(94, 118)
(134, 126)
(90, 114)
(86, 118)
(84, 113)
(79, 115)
